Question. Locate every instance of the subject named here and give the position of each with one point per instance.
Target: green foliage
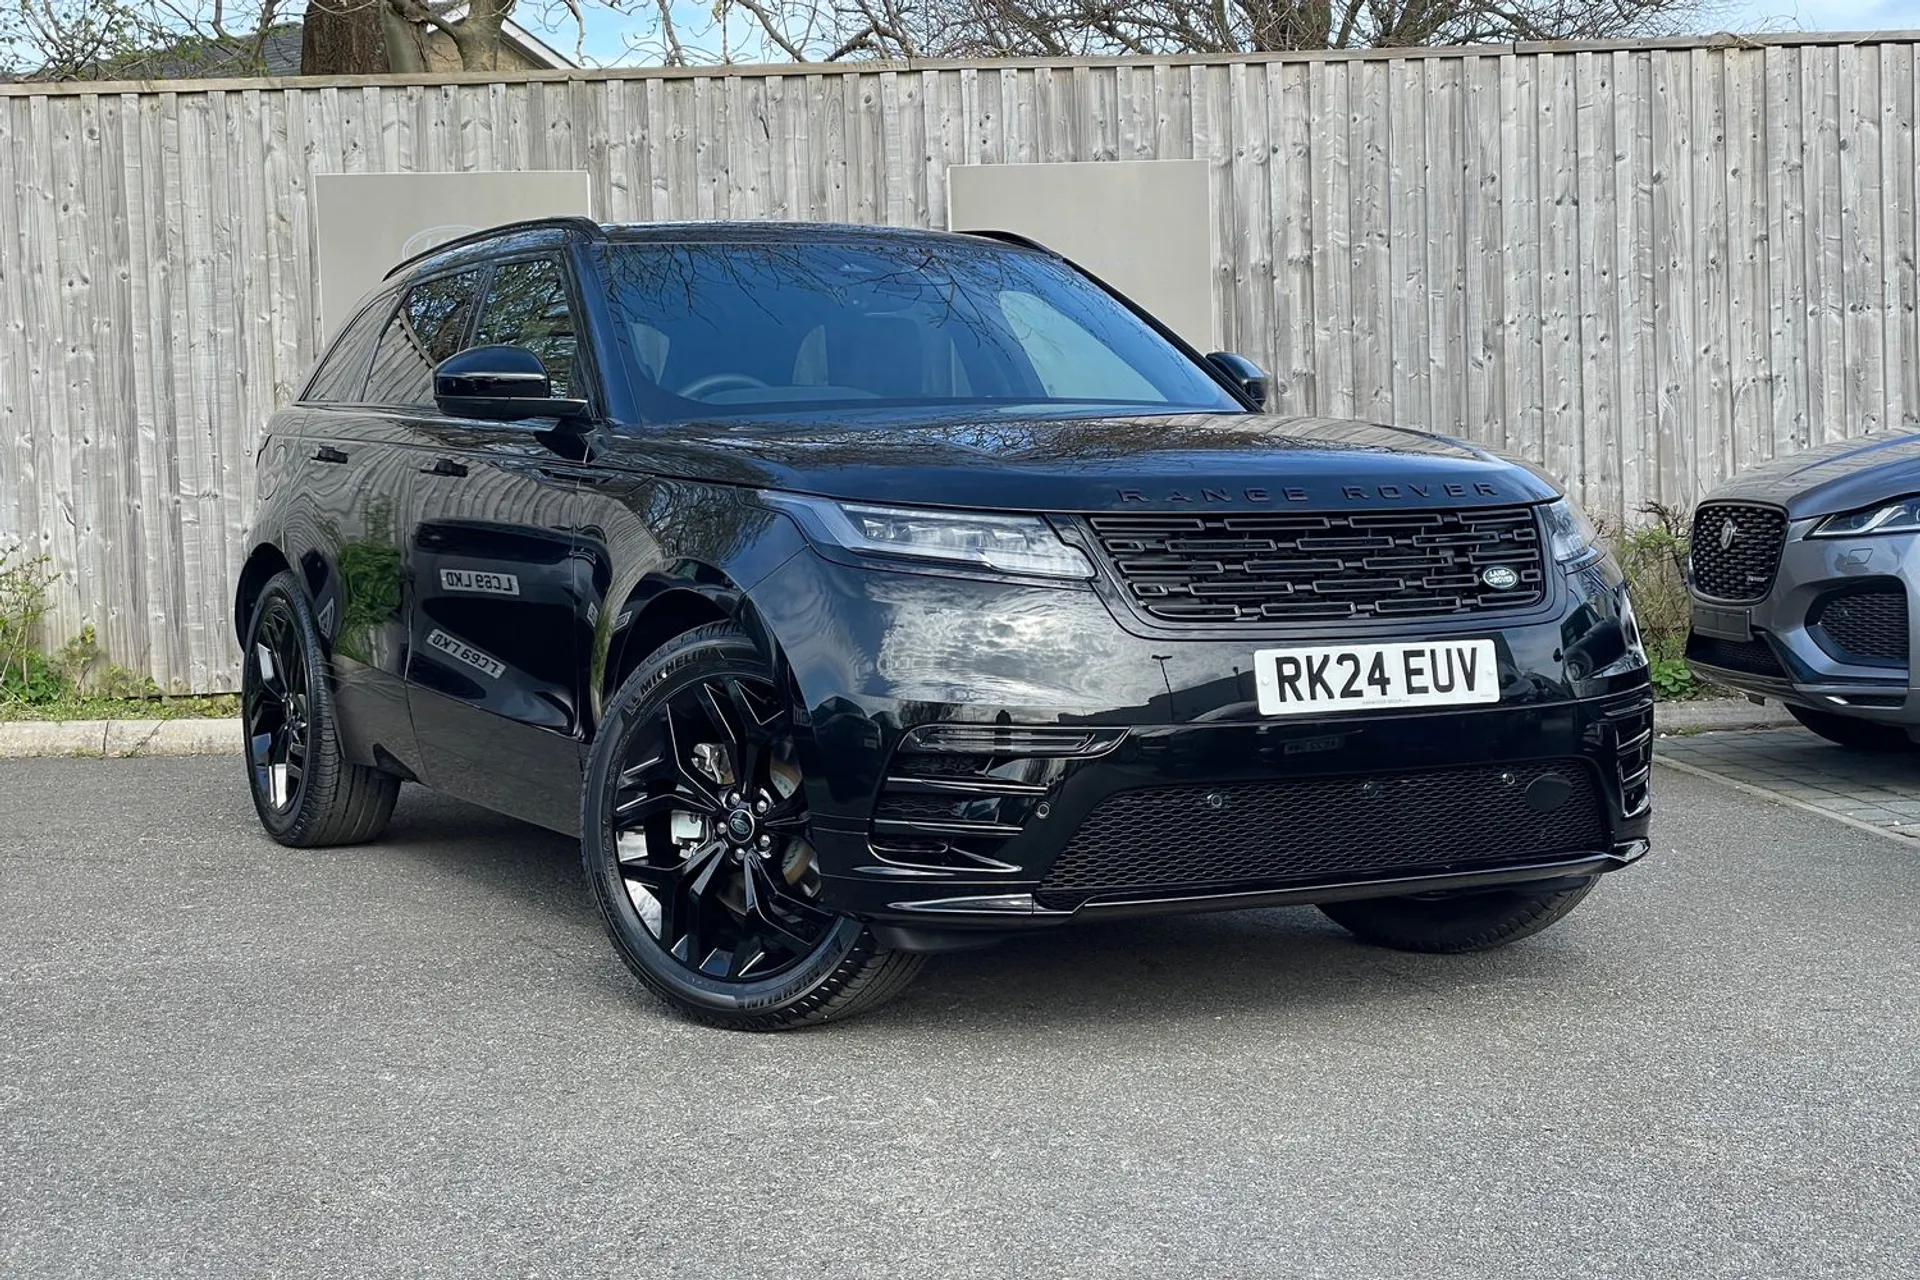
(70, 707)
(81, 666)
(24, 673)
(1673, 679)
(1654, 558)
(77, 673)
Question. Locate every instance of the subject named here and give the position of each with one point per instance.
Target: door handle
(444, 467)
(327, 453)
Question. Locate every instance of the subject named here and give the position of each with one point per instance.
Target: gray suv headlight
(1010, 544)
(1902, 516)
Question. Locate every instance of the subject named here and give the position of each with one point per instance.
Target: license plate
(1723, 624)
(1362, 677)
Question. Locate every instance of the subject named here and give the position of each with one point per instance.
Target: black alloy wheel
(696, 843)
(720, 853)
(306, 792)
(275, 706)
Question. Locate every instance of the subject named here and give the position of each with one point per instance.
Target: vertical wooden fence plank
(1446, 272)
(1748, 328)
(1293, 286)
(1826, 310)
(1598, 283)
(1712, 433)
(1372, 238)
(1525, 392)
(1900, 342)
(1861, 279)
(1331, 213)
(1407, 196)
(1786, 250)
(1483, 215)
(1560, 265)
(1260, 242)
(1634, 270)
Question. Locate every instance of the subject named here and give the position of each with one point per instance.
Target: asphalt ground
(219, 1057)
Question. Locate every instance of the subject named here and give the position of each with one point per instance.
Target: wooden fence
(1641, 265)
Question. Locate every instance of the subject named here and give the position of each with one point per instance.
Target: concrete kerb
(1718, 714)
(20, 739)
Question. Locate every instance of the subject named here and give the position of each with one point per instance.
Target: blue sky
(607, 31)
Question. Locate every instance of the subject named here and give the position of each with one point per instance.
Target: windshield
(763, 329)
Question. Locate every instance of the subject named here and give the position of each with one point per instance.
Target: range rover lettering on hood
(1259, 496)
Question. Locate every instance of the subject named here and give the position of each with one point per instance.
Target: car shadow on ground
(1204, 965)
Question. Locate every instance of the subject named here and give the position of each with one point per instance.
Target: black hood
(1843, 476)
(1182, 462)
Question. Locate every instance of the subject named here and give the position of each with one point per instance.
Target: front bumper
(1152, 784)
(1778, 648)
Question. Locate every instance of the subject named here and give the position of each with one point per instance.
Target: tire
(1457, 922)
(1867, 735)
(306, 793)
(716, 913)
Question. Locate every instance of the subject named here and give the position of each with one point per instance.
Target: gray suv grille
(1209, 568)
(1736, 549)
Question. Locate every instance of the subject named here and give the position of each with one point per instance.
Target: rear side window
(527, 307)
(430, 325)
(343, 370)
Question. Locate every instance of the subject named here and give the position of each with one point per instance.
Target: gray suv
(1800, 579)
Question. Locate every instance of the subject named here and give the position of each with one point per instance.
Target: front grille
(1863, 625)
(1286, 567)
(1755, 657)
(1736, 549)
(1305, 830)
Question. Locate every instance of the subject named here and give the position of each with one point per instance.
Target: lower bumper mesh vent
(1866, 625)
(1328, 829)
(1755, 656)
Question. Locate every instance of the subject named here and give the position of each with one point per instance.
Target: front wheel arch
(661, 614)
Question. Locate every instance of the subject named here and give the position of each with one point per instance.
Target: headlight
(1010, 544)
(1571, 537)
(1894, 517)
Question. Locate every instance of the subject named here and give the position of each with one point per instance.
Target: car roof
(547, 233)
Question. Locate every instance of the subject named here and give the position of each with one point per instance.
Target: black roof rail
(564, 222)
(1012, 237)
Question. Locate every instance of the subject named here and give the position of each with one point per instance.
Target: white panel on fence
(1141, 226)
(369, 221)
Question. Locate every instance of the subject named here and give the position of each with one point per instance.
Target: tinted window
(343, 370)
(755, 328)
(430, 325)
(527, 307)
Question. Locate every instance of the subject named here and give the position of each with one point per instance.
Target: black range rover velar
(856, 594)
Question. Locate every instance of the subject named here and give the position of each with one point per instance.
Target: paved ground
(218, 1057)
(1874, 788)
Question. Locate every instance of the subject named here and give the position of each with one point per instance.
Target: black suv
(857, 594)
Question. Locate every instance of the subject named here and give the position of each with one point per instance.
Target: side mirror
(501, 384)
(1243, 373)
